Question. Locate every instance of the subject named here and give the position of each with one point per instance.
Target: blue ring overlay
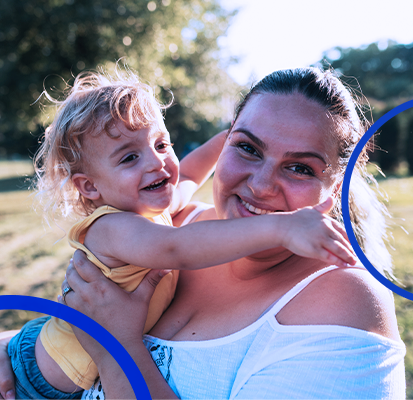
(345, 193)
(88, 325)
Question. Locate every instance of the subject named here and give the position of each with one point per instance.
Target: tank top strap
(287, 297)
(200, 207)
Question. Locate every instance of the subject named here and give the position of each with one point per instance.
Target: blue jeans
(29, 381)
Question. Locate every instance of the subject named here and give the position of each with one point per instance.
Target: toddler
(108, 156)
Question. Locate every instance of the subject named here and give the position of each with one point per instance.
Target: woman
(272, 325)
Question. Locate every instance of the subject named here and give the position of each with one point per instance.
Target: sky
(275, 34)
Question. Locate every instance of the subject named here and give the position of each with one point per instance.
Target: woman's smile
(254, 210)
(253, 207)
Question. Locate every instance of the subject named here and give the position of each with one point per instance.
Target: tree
(409, 146)
(172, 44)
(383, 72)
(388, 141)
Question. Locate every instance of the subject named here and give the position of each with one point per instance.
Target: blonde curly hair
(92, 105)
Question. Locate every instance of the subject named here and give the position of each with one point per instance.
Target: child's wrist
(278, 229)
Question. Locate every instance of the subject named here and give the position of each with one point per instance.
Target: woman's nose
(265, 182)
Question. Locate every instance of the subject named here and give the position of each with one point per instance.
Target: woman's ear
(85, 186)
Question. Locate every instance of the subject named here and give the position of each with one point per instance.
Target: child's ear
(85, 186)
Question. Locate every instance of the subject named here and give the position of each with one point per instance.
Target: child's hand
(310, 233)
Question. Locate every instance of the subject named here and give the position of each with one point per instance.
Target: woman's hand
(123, 314)
(6, 373)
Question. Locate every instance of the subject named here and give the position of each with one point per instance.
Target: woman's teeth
(254, 210)
(156, 185)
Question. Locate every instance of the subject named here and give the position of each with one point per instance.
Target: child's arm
(127, 238)
(195, 169)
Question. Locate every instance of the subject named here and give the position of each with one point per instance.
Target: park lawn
(34, 256)
(400, 193)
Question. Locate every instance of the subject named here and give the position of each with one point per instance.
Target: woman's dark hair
(368, 215)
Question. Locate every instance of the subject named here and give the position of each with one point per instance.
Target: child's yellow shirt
(57, 336)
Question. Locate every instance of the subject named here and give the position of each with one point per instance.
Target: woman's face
(281, 155)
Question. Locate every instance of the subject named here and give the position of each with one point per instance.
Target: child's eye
(247, 148)
(301, 169)
(129, 158)
(164, 145)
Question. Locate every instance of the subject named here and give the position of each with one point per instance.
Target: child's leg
(30, 383)
(52, 372)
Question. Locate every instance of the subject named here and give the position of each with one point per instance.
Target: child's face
(138, 171)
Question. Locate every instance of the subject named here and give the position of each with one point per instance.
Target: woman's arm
(123, 315)
(195, 169)
(116, 385)
(6, 374)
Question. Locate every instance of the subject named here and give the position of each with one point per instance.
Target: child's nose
(155, 161)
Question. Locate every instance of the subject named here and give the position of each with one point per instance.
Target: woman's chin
(274, 255)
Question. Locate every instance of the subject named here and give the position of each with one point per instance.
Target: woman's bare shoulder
(345, 296)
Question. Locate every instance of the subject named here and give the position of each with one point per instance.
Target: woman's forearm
(116, 384)
(7, 390)
(195, 169)
(123, 314)
(198, 165)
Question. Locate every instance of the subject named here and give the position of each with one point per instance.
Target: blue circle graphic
(88, 325)
(345, 193)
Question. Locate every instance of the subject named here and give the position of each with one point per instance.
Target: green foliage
(409, 146)
(172, 44)
(383, 72)
(389, 140)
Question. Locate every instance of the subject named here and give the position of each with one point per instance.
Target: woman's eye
(301, 170)
(247, 148)
(131, 157)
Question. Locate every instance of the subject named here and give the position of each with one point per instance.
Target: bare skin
(272, 176)
(197, 314)
(275, 176)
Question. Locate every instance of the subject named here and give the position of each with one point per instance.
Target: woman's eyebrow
(254, 138)
(304, 154)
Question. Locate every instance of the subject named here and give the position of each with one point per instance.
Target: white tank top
(267, 360)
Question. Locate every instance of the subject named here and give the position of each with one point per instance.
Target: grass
(400, 204)
(35, 256)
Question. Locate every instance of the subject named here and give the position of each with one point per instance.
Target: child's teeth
(155, 184)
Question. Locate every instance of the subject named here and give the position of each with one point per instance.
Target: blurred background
(207, 53)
